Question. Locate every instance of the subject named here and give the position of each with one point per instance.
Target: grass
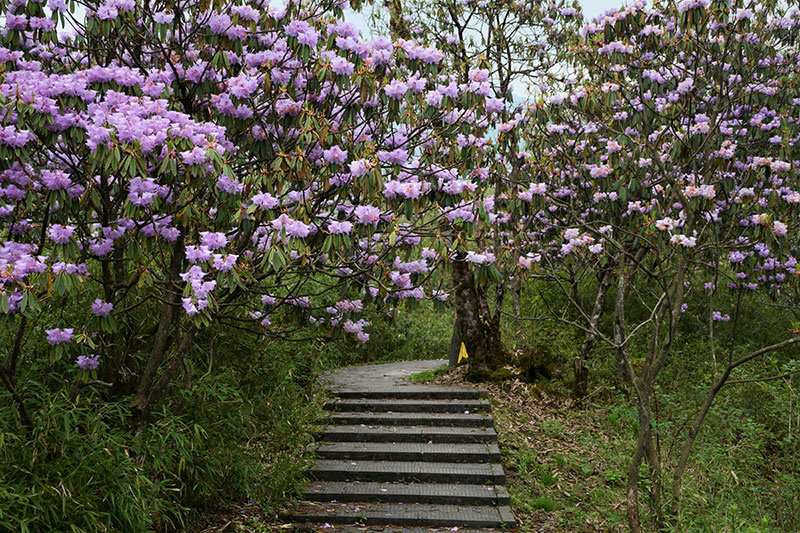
(428, 375)
(567, 468)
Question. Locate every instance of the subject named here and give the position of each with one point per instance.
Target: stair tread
(414, 514)
(407, 471)
(392, 405)
(421, 419)
(409, 451)
(409, 392)
(388, 492)
(407, 430)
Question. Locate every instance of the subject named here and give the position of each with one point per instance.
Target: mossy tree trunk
(479, 329)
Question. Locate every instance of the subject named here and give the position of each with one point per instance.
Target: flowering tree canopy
(228, 162)
(519, 49)
(673, 165)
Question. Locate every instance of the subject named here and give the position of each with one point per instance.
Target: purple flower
(246, 12)
(494, 105)
(265, 201)
(480, 259)
(686, 86)
(296, 27)
(57, 5)
(686, 5)
(13, 137)
(736, 257)
(243, 85)
(212, 240)
(218, 23)
(309, 38)
(61, 234)
(89, 362)
(55, 180)
(334, 154)
(189, 306)
(141, 192)
(367, 215)
(396, 90)
(336, 227)
(225, 263)
(434, 98)
(342, 66)
(106, 12)
(194, 156)
(357, 328)
(230, 186)
(397, 156)
(359, 168)
(57, 336)
(349, 306)
(198, 254)
(163, 17)
(16, 22)
(293, 228)
(101, 308)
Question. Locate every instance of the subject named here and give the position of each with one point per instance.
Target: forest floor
(561, 477)
(562, 474)
(566, 465)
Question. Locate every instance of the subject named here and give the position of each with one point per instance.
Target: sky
(592, 8)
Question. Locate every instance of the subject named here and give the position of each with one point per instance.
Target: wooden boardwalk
(397, 455)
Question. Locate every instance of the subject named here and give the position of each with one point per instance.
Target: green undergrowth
(240, 433)
(567, 465)
(567, 469)
(230, 444)
(418, 332)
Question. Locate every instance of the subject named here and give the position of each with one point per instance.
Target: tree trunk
(479, 332)
(455, 343)
(8, 374)
(632, 491)
(580, 385)
(168, 321)
(516, 302)
(667, 317)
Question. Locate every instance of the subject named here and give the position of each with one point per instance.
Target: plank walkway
(398, 456)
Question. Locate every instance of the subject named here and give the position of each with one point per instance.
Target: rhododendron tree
(503, 51)
(674, 166)
(228, 163)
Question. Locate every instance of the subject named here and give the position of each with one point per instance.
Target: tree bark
(667, 315)
(580, 385)
(632, 490)
(168, 320)
(479, 331)
(620, 333)
(8, 374)
(157, 391)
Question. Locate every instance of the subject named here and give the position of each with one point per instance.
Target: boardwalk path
(395, 453)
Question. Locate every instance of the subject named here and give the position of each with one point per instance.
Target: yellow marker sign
(462, 354)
